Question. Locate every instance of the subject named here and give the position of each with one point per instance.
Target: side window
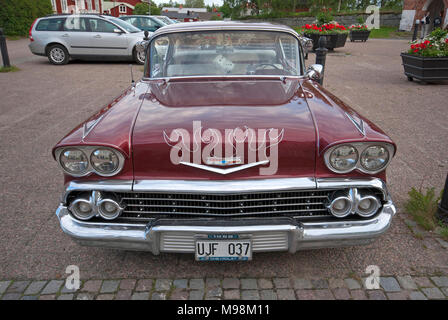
(50, 25)
(98, 25)
(159, 50)
(75, 24)
(289, 47)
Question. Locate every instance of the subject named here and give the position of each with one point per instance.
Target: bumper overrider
(266, 233)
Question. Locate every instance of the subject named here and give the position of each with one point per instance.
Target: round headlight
(104, 161)
(74, 161)
(343, 158)
(374, 158)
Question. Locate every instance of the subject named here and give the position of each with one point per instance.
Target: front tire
(139, 56)
(58, 55)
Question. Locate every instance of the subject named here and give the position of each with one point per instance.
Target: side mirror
(307, 45)
(146, 35)
(314, 72)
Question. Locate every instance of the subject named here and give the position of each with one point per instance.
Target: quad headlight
(74, 161)
(366, 157)
(374, 158)
(344, 158)
(104, 161)
(83, 160)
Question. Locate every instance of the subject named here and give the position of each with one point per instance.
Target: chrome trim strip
(337, 183)
(86, 129)
(359, 126)
(224, 171)
(224, 186)
(100, 185)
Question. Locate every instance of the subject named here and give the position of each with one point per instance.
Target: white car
(92, 37)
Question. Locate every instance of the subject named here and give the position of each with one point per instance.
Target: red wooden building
(120, 8)
(77, 6)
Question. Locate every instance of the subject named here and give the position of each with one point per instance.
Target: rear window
(54, 24)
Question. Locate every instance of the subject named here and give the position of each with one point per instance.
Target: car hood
(176, 109)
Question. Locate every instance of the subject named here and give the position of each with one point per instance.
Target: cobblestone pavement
(41, 103)
(390, 288)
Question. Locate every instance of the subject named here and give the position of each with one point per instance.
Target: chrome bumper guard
(267, 234)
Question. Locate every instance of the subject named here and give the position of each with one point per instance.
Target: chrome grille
(300, 203)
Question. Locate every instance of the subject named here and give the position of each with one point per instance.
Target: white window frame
(122, 6)
(64, 6)
(53, 4)
(97, 6)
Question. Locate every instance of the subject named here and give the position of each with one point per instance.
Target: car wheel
(58, 54)
(139, 56)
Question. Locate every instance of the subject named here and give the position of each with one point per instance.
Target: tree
(16, 16)
(141, 8)
(194, 4)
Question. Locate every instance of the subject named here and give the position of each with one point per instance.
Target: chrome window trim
(360, 147)
(88, 150)
(157, 34)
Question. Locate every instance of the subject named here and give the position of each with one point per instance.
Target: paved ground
(389, 288)
(42, 102)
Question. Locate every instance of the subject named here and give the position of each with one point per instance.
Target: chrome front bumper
(267, 234)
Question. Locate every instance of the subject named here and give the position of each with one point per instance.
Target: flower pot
(335, 40)
(425, 68)
(359, 35)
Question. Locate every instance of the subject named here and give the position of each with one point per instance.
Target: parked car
(227, 147)
(61, 37)
(165, 19)
(145, 23)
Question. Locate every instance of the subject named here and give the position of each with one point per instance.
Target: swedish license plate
(223, 250)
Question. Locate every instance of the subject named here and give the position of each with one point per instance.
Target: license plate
(223, 250)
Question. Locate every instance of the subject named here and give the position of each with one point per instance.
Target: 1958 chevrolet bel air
(226, 147)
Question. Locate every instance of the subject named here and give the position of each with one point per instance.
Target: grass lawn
(389, 32)
(9, 69)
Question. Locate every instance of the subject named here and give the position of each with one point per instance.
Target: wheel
(58, 54)
(410, 79)
(139, 56)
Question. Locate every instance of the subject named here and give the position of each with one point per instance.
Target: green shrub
(16, 16)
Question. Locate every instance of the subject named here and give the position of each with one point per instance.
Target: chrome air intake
(364, 203)
(96, 204)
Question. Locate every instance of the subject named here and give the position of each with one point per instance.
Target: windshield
(165, 19)
(224, 53)
(125, 25)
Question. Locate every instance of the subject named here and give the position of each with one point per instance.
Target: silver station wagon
(92, 37)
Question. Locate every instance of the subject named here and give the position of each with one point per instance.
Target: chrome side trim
(224, 171)
(87, 128)
(224, 186)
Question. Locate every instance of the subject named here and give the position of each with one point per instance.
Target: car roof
(223, 25)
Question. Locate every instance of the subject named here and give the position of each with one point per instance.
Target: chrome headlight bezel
(88, 151)
(360, 147)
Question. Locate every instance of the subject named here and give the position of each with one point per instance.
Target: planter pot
(359, 35)
(425, 68)
(335, 40)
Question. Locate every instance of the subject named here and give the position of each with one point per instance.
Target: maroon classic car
(226, 147)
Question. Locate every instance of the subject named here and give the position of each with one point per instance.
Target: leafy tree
(16, 16)
(141, 8)
(194, 4)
